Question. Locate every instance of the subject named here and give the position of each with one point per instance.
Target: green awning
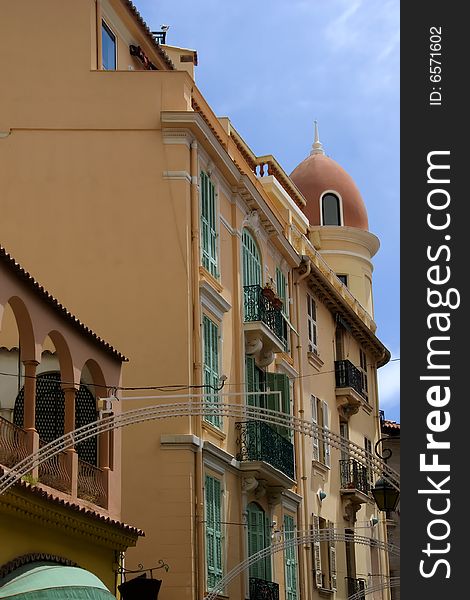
(54, 582)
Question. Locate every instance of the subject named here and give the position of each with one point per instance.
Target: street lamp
(385, 495)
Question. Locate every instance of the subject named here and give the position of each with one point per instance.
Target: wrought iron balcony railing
(13, 447)
(259, 307)
(355, 585)
(354, 476)
(263, 590)
(347, 375)
(258, 441)
(90, 485)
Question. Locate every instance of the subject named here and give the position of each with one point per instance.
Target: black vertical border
(425, 128)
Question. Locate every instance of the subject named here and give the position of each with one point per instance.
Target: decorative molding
(315, 360)
(212, 300)
(177, 136)
(220, 455)
(184, 441)
(229, 228)
(177, 175)
(291, 500)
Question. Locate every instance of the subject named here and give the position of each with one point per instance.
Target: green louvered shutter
(258, 538)
(213, 520)
(278, 382)
(281, 287)
(290, 559)
(211, 365)
(250, 380)
(251, 260)
(208, 225)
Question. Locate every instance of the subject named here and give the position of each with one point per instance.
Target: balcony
(56, 472)
(354, 481)
(264, 324)
(355, 586)
(263, 590)
(264, 450)
(13, 444)
(350, 394)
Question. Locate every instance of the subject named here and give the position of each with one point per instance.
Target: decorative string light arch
(199, 407)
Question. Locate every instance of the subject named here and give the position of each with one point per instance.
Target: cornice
(67, 520)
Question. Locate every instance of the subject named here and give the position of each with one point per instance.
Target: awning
(53, 582)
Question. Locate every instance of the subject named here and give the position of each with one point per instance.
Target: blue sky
(274, 68)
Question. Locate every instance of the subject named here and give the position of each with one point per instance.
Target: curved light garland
(305, 537)
(392, 582)
(198, 408)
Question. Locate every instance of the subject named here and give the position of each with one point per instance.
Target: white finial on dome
(317, 147)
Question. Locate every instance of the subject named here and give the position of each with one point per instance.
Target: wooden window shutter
(213, 518)
(211, 366)
(317, 570)
(315, 443)
(326, 425)
(208, 225)
(290, 558)
(332, 550)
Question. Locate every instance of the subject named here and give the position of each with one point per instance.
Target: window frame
(106, 27)
(339, 205)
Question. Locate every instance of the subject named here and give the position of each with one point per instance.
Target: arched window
(259, 537)
(50, 411)
(252, 273)
(331, 214)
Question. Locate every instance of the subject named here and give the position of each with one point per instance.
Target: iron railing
(356, 586)
(53, 472)
(90, 484)
(263, 590)
(347, 375)
(258, 441)
(354, 476)
(13, 447)
(259, 307)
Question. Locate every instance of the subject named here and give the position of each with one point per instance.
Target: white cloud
(389, 384)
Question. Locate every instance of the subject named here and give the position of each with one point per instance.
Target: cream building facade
(153, 219)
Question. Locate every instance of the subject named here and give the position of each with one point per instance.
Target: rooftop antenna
(317, 147)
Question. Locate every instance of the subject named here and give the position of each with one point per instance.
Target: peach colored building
(152, 219)
(65, 512)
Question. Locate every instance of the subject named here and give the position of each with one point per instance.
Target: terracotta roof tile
(50, 496)
(391, 425)
(146, 29)
(8, 260)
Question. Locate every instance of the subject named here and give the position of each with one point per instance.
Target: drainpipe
(303, 518)
(197, 373)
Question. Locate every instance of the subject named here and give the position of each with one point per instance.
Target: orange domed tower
(339, 227)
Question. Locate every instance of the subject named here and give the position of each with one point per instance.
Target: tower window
(330, 210)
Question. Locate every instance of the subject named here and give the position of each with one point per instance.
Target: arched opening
(259, 537)
(331, 210)
(11, 379)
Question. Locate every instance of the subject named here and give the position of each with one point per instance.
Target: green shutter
(211, 366)
(213, 518)
(278, 382)
(290, 559)
(251, 260)
(208, 226)
(258, 538)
